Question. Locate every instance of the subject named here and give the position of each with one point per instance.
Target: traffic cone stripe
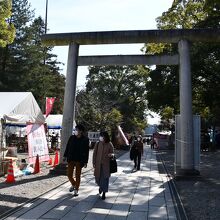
(56, 159)
(10, 176)
(50, 161)
(37, 165)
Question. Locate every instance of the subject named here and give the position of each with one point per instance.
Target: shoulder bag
(113, 165)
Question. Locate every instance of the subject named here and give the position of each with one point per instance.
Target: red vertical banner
(49, 104)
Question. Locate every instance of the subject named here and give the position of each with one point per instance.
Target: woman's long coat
(101, 155)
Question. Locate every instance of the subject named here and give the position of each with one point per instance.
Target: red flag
(49, 104)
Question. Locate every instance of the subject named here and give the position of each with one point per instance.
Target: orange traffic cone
(10, 176)
(50, 161)
(56, 159)
(37, 165)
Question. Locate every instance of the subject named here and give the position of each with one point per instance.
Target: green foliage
(182, 14)
(163, 88)
(114, 117)
(26, 65)
(205, 70)
(7, 30)
(212, 8)
(206, 79)
(167, 113)
(167, 116)
(114, 95)
(152, 48)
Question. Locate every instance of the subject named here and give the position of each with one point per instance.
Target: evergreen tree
(43, 73)
(12, 56)
(7, 30)
(26, 64)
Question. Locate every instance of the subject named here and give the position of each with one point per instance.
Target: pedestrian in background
(103, 151)
(138, 149)
(76, 153)
(152, 142)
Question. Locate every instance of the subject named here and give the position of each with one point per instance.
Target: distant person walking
(103, 151)
(76, 153)
(152, 143)
(138, 149)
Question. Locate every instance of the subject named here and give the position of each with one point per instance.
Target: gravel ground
(200, 195)
(29, 187)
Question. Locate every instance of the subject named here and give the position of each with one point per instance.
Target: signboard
(37, 143)
(93, 136)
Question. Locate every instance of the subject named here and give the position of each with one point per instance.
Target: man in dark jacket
(76, 153)
(138, 152)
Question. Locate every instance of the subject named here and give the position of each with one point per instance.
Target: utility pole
(46, 17)
(44, 51)
(45, 30)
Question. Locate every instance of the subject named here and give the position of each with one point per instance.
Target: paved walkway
(132, 195)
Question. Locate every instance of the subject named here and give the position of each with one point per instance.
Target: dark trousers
(137, 160)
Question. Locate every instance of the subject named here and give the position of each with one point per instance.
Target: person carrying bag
(102, 154)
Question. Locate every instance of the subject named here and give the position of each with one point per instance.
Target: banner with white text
(37, 143)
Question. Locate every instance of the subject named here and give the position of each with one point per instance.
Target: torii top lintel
(132, 36)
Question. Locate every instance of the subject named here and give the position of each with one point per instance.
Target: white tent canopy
(20, 107)
(55, 121)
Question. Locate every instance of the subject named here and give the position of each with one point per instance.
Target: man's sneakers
(73, 189)
(76, 192)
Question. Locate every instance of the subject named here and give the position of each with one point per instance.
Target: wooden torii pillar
(180, 36)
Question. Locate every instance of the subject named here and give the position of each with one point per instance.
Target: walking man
(76, 153)
(138, 152)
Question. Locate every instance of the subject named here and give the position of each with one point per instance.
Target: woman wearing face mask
(103, 151)
(138, 152)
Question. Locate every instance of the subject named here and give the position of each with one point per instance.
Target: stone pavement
(137, 195)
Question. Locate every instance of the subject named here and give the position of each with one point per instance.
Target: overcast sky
(99, 15)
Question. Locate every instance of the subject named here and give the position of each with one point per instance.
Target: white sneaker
(76, 192)
(71, 188)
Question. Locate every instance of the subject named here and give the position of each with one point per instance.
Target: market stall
(17, 109)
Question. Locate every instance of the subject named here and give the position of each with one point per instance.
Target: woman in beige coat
(103, 151)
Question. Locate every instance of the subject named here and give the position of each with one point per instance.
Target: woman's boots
(103, 196)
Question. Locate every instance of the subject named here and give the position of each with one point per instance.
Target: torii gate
(180, 36)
